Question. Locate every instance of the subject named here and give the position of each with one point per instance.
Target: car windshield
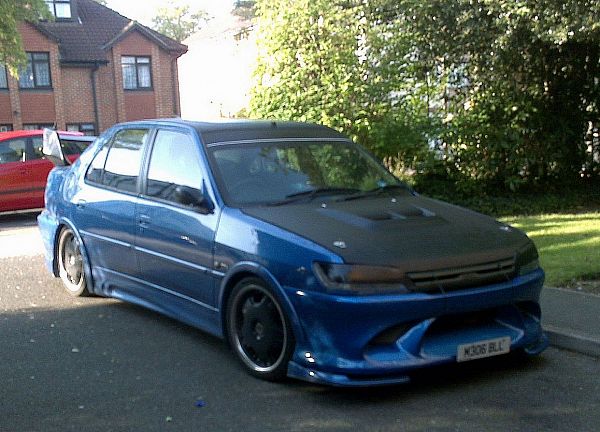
(288, 171)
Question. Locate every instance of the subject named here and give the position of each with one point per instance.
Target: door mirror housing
(52, 148)
(194, 199)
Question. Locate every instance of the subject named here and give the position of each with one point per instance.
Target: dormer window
(61, 9)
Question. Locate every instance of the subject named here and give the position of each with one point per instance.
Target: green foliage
(322, 62)
(12, 13)
(178, 21)
(245, 9)
(557, 198)
(490, 95)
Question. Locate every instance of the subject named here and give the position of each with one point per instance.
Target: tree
(13, 12)
(519, 85)
(177, 21)
(321, 61)
(245, 9)
(491, 94)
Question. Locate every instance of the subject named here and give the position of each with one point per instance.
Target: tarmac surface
(98, 364)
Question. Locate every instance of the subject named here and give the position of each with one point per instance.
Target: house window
(87, 128)
(3, 77)
(60, 8)
(37, 72)
(136, 72)
(37, 126)
(6, 127)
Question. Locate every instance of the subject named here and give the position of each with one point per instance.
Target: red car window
(12, 150)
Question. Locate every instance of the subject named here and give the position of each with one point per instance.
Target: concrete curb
(564, 339)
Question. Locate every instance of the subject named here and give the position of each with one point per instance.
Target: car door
(15, 190)
(104, 210)
(174, 241)
(38, 169)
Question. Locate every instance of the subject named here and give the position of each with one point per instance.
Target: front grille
(463, 277)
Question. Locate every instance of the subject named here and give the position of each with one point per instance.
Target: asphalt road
(96, 364)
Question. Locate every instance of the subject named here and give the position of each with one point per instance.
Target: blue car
(294, 245)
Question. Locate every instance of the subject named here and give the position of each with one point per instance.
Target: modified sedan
(294, 245)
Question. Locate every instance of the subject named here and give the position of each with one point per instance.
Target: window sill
(37, 89)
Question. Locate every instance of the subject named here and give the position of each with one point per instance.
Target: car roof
(36, 132)
(236, 130)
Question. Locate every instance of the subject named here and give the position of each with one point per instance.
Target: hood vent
(364, 218)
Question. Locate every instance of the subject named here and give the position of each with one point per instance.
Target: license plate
(481, 349)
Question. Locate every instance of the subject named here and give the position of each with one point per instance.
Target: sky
(144, 10)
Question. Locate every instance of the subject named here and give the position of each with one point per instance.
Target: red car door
(15, 191)
(37, 172)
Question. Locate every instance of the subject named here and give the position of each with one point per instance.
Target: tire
(258, 330)
(71, 267)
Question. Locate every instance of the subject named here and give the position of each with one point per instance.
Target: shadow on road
(74, 364)
(18, 220)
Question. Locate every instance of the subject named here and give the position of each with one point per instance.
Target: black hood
(408, 232)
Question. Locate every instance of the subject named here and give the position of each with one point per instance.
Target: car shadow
(18, 220)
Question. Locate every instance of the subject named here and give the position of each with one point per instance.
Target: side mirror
(194, 199)
(52, 148)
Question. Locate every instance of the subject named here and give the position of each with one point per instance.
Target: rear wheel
(70, 264)
(258, 330)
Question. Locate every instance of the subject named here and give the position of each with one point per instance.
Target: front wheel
(70, 264)
(258, 330)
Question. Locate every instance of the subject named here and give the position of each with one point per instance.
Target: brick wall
(6, 115)
(77, 95)
(106, 85)
(135, 104)
(38, 107)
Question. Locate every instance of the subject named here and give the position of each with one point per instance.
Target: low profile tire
(70, 264)
(258, 330)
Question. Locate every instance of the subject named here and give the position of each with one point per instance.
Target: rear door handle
(81, 204)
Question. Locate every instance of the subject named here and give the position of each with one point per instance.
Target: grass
(568, 244)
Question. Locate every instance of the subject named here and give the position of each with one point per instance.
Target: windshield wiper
(312, 193)
(376, 191)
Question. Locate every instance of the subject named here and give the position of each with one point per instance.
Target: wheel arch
(243, 270)
(87, 268)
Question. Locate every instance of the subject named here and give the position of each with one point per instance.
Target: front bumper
(378, 340)
(48, 226)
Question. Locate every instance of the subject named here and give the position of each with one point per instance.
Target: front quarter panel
(247, 246)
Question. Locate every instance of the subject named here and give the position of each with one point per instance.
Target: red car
(23, 170)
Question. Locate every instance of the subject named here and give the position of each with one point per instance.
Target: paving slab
(572, 320)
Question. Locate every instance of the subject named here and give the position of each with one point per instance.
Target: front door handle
(144, 221)
(81, 204)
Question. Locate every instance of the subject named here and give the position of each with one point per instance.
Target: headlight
(361, 279)
(528, 260)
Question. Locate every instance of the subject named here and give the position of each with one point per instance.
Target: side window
(96, 168)
(122, 166)
(12, 150)
(174, 163)
(37, 147)
(73, 146)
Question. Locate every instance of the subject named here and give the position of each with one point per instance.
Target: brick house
(89, 69)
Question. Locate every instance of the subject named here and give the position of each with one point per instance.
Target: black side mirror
(193, 198)
(52, 148)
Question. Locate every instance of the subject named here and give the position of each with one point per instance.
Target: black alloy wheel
(258, 330)
(70, 264)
